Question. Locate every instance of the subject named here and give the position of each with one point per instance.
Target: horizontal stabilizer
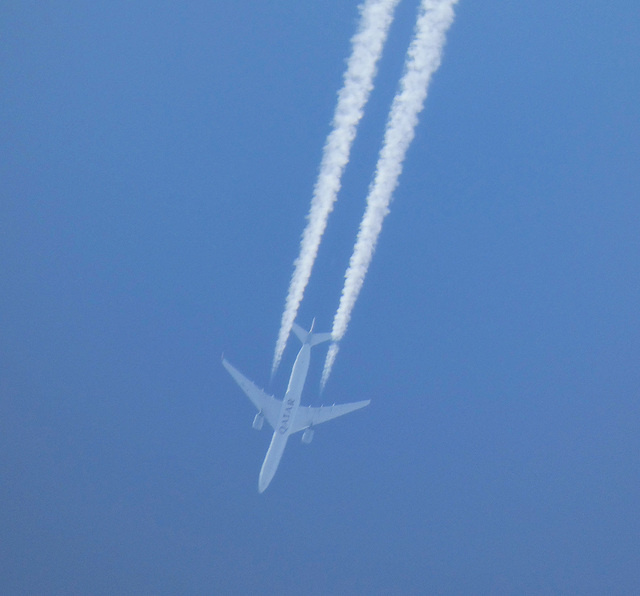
(308, 337)
(301, 333)
(318, 338)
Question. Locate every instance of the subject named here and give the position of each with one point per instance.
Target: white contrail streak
(423, 59)
(367, 44)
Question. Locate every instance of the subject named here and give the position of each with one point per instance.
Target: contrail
(423, 59)
(367, 44)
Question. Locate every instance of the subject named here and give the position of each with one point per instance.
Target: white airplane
(288, 416)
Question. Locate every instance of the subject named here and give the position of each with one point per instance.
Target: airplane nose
(263, 483)
(263, 480)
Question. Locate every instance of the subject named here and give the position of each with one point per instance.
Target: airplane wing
(307, 416)
(267, 404)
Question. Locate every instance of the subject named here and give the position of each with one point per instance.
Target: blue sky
(158, 160)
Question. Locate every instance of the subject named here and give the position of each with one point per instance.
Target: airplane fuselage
(288, 411)
(287, 416)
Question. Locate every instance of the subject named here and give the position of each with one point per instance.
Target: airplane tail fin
(307, 337)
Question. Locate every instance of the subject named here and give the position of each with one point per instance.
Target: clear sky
(157, 163)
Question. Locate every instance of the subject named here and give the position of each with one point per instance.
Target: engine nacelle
(307, 435)
(258, 421)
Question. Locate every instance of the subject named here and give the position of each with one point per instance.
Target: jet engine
(258, 421)
(307, 435)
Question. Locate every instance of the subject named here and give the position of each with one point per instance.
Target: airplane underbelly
(272, 460)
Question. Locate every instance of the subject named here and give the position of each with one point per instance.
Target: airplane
(287, 416)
